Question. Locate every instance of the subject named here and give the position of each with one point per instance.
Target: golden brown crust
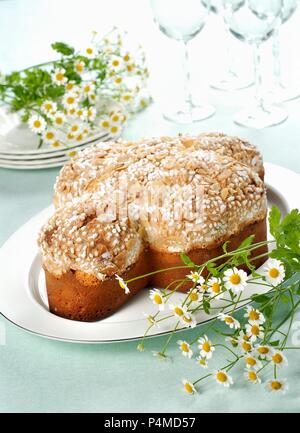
(79, 296)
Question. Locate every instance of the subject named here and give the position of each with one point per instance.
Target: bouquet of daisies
(83, 94)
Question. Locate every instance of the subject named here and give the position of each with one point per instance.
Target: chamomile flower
(252, 376)
(235, 280)
(244, 342)
(105, 122)
(188, 387)
(91, 113)
(115, 63)
(202, 362)
(254, 316)
(58, 76)
(130, 68)
(49, 136)
(274, 272)
(252, 362)
(126, 98)
(92, 98)
(185, 348)
(89, 52)
(88, 89)
(116, 117)
(206, 348)
(79, 67)
(49, 107)
(214, 287)
(71, 86)
(157, 299)
(56, 144)
(126, 58)
(279, 359)
(123, 284)
(75, 129)
(37, 124)
(263, 351)
(233, 341)
(151, 320)
(229, 320)
(58, 118)
(188, 320)
(254, 331)
(277, 385)
(223, 378)
(194, 296)
(117, 80)
(70, 100)
(196, 277)
(114, 130)
(81, 113)
(72, 153)
(177, 310)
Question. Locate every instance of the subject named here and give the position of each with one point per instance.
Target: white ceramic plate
(23, 298)
(17, 139)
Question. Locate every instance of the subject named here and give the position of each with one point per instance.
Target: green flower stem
(169, 339)
(227, 348)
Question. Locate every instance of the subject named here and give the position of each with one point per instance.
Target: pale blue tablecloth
(43, 375)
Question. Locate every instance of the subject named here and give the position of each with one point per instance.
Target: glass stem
(187, 77)
(276, 58)
(258, 76)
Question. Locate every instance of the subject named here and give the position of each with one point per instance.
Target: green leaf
(186, 260)
(274, 343)
(285, 299)
(224, 247)
(260, 299)
(63, 48)
(206, 306)
(274, 221)
(246, 242)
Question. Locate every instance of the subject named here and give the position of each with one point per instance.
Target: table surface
(44, 375)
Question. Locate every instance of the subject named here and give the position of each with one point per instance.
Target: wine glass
(283, 91)
(182, 20)
(230, 78)
(254, 21)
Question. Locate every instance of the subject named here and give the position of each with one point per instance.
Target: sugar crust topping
(226, 170)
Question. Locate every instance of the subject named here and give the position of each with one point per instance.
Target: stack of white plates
(19, 146)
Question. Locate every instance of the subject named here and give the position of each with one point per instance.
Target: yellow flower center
(89, 51)
(49, 135)
(235, 279)
(70, 100)
(37, 123)
(59, 120)
(202, 361)
(126, 97)
(114, 129)
(115, 118)
(70, 136)
(129, 68)
(253, 315)
(115, 63)
(105, 124)
(194, 296)
(86, 89)
(126, 58)
(251, 361)
(48, 106)
(216, 287)
(254, 330)
(276, 385)
(184, 347)
(206, 346)
(263, 350)
(118, 80)
(79, 67)
(273, 273)
(157, 299)
(74, 128)
(79, 138)
(252, 375)
(72, 153)
(277, 358)
(69, 86)
(56, 144)
(229, 320)
(188, 388)
(187, 319)
(178, 311)
(246, 346)
(60, 76)
(222, 377)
